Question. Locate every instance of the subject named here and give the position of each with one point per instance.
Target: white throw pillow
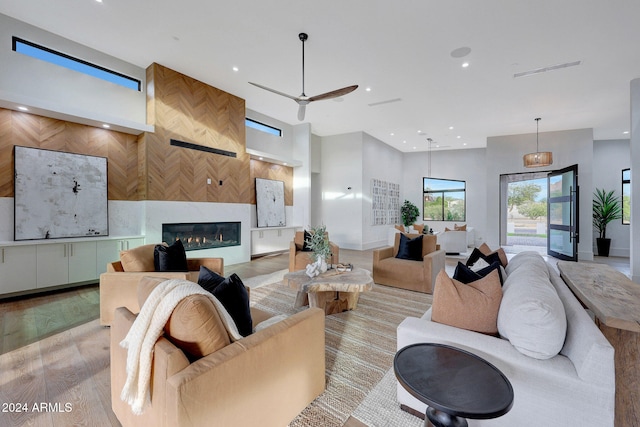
(532, 315)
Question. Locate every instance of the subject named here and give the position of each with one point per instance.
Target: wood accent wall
(188, 110)
(273, 171)
(29, 130)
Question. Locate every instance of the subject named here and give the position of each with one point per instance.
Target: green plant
(606, 208)
(318, 242)
(409, 213)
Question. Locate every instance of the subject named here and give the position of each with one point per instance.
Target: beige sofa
(118, 288)
(407, 274)
(264, 379)
(298, 259)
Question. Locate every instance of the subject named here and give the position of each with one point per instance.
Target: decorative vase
(603, 246)
(322, 265)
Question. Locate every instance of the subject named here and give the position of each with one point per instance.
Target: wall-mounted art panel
(385, 202)
(270, 203)
(59, 194)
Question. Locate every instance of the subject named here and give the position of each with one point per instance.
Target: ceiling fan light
(537, 159)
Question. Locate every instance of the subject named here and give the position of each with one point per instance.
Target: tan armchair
(298, 259)
(118, 288)
(264, 379)
(408, 274)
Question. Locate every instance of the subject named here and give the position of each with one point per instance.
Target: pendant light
(429, 140)
(539, 158)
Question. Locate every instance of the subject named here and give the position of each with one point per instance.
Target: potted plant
(319, 245)
(409, 213)
(606, 208)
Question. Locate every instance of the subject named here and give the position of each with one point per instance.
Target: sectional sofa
(575, 387)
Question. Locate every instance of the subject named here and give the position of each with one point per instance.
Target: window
(75, 64)
(262, 127)
(444, 200)
(626, 196)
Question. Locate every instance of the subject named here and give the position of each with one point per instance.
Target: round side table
(454, 383)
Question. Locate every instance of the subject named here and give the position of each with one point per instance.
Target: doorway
(524, 212)
(539, 212)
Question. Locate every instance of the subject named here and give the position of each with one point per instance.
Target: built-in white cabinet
(267, 240)
(109, 251)
(17, 268)
(36, 266)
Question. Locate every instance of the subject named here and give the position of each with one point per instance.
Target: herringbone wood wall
(272, 171)
(29, 130)
(185, 109)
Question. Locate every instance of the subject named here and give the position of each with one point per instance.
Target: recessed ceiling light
(404, 142)
(450, 127)
(460, 52)
(458, 137)
(368, 89)
(236, 69)
(99, 1)
(392, 134)
(414, 148)
(465, 64)
(285, 163)
(106, 126)
(21, 108)
(626, 132)
(260, 158)
(464, 143)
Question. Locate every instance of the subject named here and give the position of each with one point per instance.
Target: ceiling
(400, 51)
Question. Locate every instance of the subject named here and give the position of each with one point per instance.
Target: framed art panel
(270, 203)
(59, 195)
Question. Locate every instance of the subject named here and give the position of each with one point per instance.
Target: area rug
(360, 346)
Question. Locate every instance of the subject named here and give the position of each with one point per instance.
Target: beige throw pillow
(473, 306)
(138, 259)
(195, 326)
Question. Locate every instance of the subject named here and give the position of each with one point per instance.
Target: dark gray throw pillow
(233, 295)
(466, 275)
(170, 258)
(410, 248)
(476, 255)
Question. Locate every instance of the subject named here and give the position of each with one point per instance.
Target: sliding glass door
(562, 213)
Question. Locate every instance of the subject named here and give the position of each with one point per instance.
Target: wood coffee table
(454, 383)
(332, 291)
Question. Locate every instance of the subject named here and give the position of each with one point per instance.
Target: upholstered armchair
(264, 379)
(298, 259)
(409, 274)
(118, 286)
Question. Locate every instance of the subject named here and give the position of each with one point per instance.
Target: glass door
(562, 213)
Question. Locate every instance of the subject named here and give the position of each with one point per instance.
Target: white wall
(635, 189)
(466, 165)
(379, 161)
(341, 167)
(48, 88)
(504, 156)
(609, 158)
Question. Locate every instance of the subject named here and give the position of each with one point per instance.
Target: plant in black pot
(606, 208)
(409, 213)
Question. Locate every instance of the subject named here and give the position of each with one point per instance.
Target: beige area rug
(360, 346)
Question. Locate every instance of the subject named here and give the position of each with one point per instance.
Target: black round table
(454, 383)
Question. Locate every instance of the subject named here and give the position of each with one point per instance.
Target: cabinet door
(17, 268)
(107, 251)
(132, 243)
(82, 261)
(52, 265)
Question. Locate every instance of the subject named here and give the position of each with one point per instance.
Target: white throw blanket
(148, 327)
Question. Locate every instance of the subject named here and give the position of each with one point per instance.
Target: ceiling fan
(303, 99)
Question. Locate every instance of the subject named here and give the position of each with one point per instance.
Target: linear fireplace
(202, 235)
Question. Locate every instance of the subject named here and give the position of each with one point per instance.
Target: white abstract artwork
(59, 194)
(385, 202)
(270, 203)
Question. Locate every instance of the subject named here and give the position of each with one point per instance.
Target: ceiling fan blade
(334, 93)
(301, 111)
(295, 98)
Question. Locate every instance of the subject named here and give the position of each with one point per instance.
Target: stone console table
(615, 301)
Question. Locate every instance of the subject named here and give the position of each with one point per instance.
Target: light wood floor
(53, 352)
